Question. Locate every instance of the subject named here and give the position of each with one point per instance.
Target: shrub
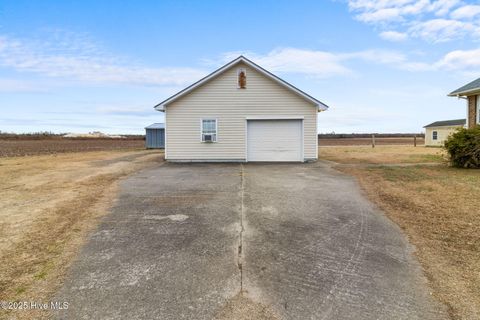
(463, 147)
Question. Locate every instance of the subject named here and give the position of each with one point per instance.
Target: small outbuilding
(155, 136)
(241, 112)
(437, 132)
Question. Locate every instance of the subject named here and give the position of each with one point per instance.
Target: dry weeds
(382, 154)
(48, 204)
(439, 210)
(357, 141)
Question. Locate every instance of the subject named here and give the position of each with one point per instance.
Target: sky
(381, 66)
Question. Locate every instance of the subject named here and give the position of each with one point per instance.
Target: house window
(209, 130)
(242, 78)
(434, 135)
(478, 109)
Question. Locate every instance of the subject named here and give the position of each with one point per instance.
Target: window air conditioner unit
(208, 137)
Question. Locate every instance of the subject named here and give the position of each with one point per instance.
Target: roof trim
(156, 125)
(464, 93)
(320, 105)
(470, 88)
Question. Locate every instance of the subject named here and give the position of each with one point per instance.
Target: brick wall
(472, 111)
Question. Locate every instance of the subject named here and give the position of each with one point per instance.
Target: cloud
(384, 10)
(76, 58)
(376, 56)
(13, 85)
(442, 7)
(320, 64)
(466, 60)
(393, 59)
(394, 36)
(441, 30)
(429, 20)
(384, 14)
(315, 63)
(466, 12)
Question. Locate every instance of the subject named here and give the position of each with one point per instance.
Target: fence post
(373, 141)
(414, 140)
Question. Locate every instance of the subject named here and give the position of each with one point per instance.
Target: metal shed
(155, 136)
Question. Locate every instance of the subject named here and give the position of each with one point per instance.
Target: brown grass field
(436, 206)
(26, 147)
(48, 204)
(382, 154)
(368, 141)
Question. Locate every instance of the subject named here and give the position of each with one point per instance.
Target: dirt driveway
(254, 241)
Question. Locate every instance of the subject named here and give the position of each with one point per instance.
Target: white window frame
(202, 133)
(478, 109)
(435, 135)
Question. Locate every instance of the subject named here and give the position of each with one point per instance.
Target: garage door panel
(274, 140)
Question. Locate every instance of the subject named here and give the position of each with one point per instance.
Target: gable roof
(447, 123)
(156, 126)
(468, 88)
(320, 105)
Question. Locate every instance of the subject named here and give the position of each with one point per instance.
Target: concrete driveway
(299, 240)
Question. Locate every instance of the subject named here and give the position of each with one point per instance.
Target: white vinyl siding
(221, 99)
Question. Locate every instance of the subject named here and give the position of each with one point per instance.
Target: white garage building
(241, 112)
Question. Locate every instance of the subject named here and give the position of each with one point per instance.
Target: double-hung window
(478, 109)
(209, 130)
(434, 135)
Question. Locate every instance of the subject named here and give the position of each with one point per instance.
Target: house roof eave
(447, 123)
(461, 94)
(468, 89)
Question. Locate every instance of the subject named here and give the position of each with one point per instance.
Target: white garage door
(274, 140)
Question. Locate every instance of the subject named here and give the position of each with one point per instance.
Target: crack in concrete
(242, 227)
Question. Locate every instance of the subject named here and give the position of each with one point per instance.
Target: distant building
(155, 136)
(437, 132)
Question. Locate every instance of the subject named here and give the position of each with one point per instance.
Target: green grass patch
(406, 174)
(40, 275)
(44, 270)
(20, 290)
(425, 158)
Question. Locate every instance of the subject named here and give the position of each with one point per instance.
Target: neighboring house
(437, 132)
(470, 92)
(241, 112)
(155, 136)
